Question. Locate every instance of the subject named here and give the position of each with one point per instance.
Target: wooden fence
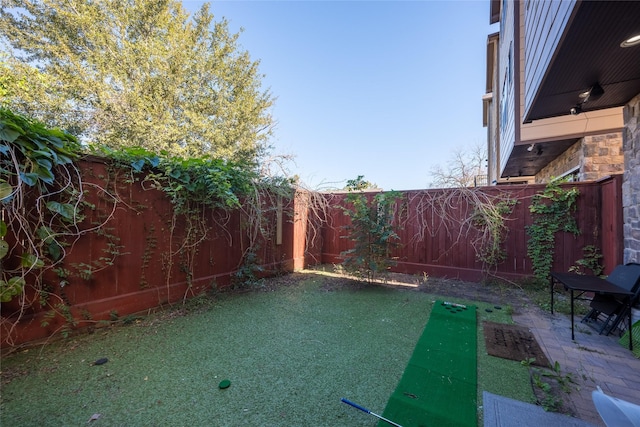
(155, 262)
(437, 238)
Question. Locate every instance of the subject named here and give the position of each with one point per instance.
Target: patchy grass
(539, 293)
(291, 351)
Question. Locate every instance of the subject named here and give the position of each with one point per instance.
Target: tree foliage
(553, 212)
(371, 230)
(135, 73)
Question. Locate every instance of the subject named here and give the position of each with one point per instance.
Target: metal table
(580, 283)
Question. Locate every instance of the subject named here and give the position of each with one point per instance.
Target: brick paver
(593, 360)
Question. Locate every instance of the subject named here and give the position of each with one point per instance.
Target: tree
(135, 73)
(463, 168)
(371, 229)
(360, 184)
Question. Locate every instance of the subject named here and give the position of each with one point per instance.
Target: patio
(594, 360)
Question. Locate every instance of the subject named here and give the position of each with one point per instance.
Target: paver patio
(594, 360)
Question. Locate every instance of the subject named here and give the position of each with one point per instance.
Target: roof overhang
(543, 140)
(590, 52)
(529, 159)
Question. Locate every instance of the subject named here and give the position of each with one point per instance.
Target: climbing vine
(39, 201)
(45, 209)
(489, 219)
(552, 212)
(472, 216)
(42, 197)
(199, 185)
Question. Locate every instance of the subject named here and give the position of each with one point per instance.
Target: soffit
(590, 52)
(523, 162)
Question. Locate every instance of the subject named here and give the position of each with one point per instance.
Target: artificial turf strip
(438, 386)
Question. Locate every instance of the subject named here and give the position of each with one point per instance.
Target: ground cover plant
(291, 350)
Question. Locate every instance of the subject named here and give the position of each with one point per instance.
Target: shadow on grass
(290, 352)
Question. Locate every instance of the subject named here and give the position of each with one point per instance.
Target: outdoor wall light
(631, 41)
(593, 94)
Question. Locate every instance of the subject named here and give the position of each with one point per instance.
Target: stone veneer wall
(602, 155)
(596, 156)
(631, 181)
(565, 162)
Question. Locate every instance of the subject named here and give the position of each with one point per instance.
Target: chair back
(626, 276)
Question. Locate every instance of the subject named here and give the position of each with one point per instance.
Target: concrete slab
(504, 412)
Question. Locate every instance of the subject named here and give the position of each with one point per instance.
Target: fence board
(150, 270)
(432, 244)
(153, 267)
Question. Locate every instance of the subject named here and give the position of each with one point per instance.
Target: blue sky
(384, 89)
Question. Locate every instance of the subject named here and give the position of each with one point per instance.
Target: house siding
(545, 22)
(507, 81)
(493, 135)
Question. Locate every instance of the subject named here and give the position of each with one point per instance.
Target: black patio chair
(613, 307)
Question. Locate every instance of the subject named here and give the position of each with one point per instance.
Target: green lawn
(290, 354)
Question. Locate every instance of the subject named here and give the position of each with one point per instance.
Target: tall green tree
(135, 73)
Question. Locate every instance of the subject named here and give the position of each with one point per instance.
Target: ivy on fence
(552, 212)
(44, 206)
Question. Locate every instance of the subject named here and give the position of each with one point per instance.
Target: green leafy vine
(36, 196)
(552, 212)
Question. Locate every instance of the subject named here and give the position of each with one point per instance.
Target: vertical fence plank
(150, 268)
(442, 249)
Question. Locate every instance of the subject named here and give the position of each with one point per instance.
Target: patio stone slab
(593, 360)
(504, 412)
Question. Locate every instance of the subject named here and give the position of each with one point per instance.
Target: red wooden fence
(152, 268)
(435, 238)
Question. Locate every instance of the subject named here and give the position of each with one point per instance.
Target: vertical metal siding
(545, 23)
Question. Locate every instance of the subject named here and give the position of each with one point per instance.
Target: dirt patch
(552, 390)
(336, 284)
(486, 292)
(493, 293)
(8, 375)
(513, 342)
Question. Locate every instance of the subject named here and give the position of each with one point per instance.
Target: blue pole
(365, 410)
